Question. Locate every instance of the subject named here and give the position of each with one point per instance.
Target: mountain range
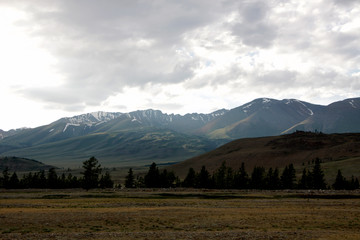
(140, 137)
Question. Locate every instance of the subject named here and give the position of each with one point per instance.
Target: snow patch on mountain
(248, 106)
(308, 109)
(266, 100)
(352, 103)
(70, 124)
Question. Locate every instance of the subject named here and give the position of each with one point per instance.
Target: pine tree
(229, 178)
(354, 183)
(258, 178)
(318, 176)
(304, 180)
(340, 181)
(288, 177)
(91, 173)
(189, 180)
(152, 178)
(106, 181)
(241, 178)
(42, 179)
(203, 178)
(52, 179)
(14, 181)
(275, 179)
(167, 179)
(130, 179)
(220, 176)
(6, 177)
(272, 179)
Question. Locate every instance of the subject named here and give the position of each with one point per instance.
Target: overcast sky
(63, 57)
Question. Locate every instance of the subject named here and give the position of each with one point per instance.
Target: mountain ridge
(258, 118)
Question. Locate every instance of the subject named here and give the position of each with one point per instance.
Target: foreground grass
(146, 214)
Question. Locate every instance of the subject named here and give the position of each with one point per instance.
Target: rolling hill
(22, 164)
(336, 151)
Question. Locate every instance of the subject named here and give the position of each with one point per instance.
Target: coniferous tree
(272, 179)
(304, 180)
(140, 182)
(241, 178)
(317, 175)
(91, 174)
(62, 181)
(26, 181)
(354, 183)
(14, 181)
(152, 178)
(189, 180)
(268, 177)
(52, 179)
(220, 176)
(106, 181)
(258, 178)
(6, 177)
(203, 179)
(229, 178)
(130, 179)
(276, 179)
(42, 179)
(288, 177)
(72, 181)
(340, 181)
(167, 179)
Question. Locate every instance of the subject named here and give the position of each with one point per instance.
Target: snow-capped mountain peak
(92, 118)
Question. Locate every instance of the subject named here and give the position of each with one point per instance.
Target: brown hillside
(298, 148)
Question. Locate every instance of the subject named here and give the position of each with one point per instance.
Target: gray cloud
(103, 47)
(252, 26)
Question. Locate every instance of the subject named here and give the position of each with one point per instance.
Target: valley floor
(178, 214)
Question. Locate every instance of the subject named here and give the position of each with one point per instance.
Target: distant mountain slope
(338, 117)
(298, 148)
(122, 148)
(22, 164)
(4, 134)
(261, 117)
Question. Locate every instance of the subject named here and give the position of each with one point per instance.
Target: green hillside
(123, 148)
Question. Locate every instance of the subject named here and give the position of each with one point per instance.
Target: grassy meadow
(178, 214)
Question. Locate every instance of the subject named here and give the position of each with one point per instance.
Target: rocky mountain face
(260, 117)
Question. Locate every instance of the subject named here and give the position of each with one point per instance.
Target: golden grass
(150, 216)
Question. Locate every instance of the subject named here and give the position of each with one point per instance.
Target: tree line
(91, 178)
(222, 178)
(226, 178)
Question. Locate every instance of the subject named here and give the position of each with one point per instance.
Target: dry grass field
(178, 214)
